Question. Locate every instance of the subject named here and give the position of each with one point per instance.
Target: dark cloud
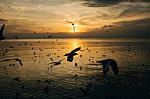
(133, 29)
(134, 23)
(136, 28)
(133, 9)
(102, 3)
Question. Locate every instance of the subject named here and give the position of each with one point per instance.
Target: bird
(56, 63)
(109, 62)
(72, 25)
(16, 79)
(71, 54)
(16, 59)
(50, 36)
(2, 37)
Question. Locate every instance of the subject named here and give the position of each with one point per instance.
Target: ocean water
(67, 81)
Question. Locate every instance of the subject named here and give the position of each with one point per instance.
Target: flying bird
(71, 54)
(16, 59)
(56, 63)
(1, 32)
(74, 29)
(107, 26)
(109, 62)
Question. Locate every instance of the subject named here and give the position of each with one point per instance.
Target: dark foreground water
(67, 81)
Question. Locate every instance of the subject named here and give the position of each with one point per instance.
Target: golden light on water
(75, 43)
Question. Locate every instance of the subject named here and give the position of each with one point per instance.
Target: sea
(83, 78)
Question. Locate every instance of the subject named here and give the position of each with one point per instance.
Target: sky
(128, 18)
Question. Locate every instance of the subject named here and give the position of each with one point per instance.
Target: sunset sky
(130, 18)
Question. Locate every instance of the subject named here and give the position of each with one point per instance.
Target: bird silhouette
(109, 62)
(74, 29)
(72, 54)
(16, 59)
(56, 63)
(1, 32)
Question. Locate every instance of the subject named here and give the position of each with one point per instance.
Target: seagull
(109, 62)
(56, 63)
(2, 37)
(16, 59)
(72, 25)
(71, 54)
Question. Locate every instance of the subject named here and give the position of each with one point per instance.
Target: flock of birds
(70, 56)
(106, 63)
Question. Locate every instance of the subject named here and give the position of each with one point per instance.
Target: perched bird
(109, 62)
(71, 54)
(1, 32)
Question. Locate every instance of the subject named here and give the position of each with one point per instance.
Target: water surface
(66, 79)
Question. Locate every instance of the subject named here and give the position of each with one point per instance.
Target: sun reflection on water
(75, 43)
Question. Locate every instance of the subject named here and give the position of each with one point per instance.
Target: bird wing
(106, 67)
(100, 62)
(75, 50)
(51, 59)
(52, 63)
(114, 67)
(19, 61)
(61, 60)
(16, 59)
(70, 58)
(1, 30)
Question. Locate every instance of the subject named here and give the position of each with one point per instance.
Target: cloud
(134, 28)
(103, 3)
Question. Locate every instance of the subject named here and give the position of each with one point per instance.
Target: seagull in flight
(71, 54)
(74, 29)
(16, 59)
(56, 63)
(109, 62)
(1, 32)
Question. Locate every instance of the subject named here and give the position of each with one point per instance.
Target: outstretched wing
(1, 30)
(106, 67)
(19, 61)
(16, 59)
(114, 67)
(70, 58)
(75, 50)
(61, 60)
